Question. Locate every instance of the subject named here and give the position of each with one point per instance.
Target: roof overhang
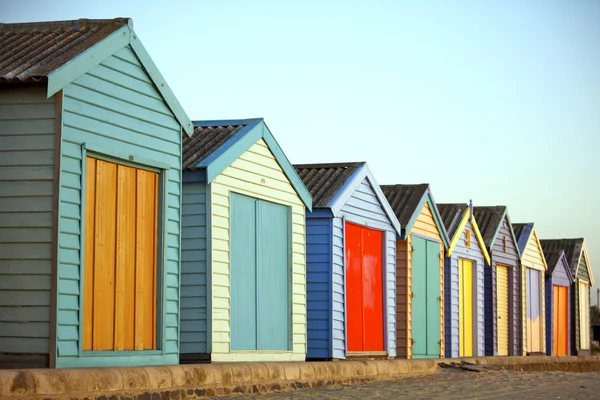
(428, 199)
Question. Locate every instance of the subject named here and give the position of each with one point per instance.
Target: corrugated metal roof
(489, 220)
(451, 214)
(324, 180)
(571, 247)
(204, 141)
(404, 199)
(31, 51)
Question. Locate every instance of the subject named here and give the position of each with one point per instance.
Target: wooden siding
(27, 121)
(510, 259)
(194, 291)
(363, 208)
(451, 295)
(338, 297)
(115, 107)
(532, 257)
(257, 174)
(319, 287)
(424, 226)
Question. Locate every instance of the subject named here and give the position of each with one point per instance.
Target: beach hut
(533, 268)
(90, 178)
(466, 258)
(583, 279)
(351, 263)
(420, 249)
(501, 285)
(558, 301)
(243, 294)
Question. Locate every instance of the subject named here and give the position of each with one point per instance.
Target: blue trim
(233, 148)
(524, 238)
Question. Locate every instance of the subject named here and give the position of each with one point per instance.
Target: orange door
(364, 289)
(561, 321)
(121, 221)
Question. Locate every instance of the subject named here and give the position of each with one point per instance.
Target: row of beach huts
(131, 236)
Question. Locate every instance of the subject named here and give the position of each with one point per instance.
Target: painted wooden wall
(245, 176)
(114, 108)
(582, 274)
(194, 289)
(320, 288)
(424, 226)
(509, 258)
(27, 125)
(363, 208)
(559, 278)
(451, 295)
(533, 258)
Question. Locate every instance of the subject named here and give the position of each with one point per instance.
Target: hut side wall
(27, 126)
(510, 259)
(255, 173)
(403, 288)
(194, 290)
(319, 286)
(115, 109)
(363, 208)
(452, 331)
(339, 290)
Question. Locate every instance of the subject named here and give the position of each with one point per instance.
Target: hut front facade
(351, 263)
(502, 282)
(583, 279)
(558, 301)
(466, 258)
(420, 250)
(90, 183)
(533, 269)
(243, 293)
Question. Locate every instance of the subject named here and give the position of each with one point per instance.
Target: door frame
(384, 261)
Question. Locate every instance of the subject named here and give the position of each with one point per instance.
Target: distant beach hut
(501, 285)
(533, 269)
(466, 258)
(351, 263)
(420, 250)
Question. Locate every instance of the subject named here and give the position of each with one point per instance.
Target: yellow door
(465, 290)
(502, 308)
(584, 315)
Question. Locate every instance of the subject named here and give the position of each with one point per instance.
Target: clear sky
(495, 101)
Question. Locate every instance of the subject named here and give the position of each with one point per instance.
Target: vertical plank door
(419, 297)
(434, 300)
(502, 309)
(372, 290)
(354, 288)
(465, 280)
(560, 321)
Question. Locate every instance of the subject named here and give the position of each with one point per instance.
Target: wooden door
(584, 315)
(120, 257)
(534, 311)
(260, 275)
(502, 309)
(561, 321)
(364, 289)
(465, 289)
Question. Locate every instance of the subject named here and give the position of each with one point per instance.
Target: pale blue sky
(495, 101)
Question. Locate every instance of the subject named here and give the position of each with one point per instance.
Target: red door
(364, 288)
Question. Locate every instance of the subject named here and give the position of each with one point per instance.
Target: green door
(426, 330)
(260, 274)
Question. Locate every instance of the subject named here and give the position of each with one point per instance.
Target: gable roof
(214, 145)
(455, 217)
(523, 233)
(574, 250)
(325, 180)
(490, 219)
(554, 256)
(59, 52)
(407, 201)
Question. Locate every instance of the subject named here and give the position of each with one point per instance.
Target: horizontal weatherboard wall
(27, 124)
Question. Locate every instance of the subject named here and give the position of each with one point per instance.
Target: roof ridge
(330, 165)
(77, 24)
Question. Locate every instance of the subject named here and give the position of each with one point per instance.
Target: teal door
(260, 267)
(426, 329)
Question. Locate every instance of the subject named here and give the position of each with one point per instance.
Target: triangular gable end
(125, 36)
(506, 218)
(584, 254)
(428, 199)
(344, 194)
(479, 238)
(563, 259)
(237, 145)
(533, 236)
